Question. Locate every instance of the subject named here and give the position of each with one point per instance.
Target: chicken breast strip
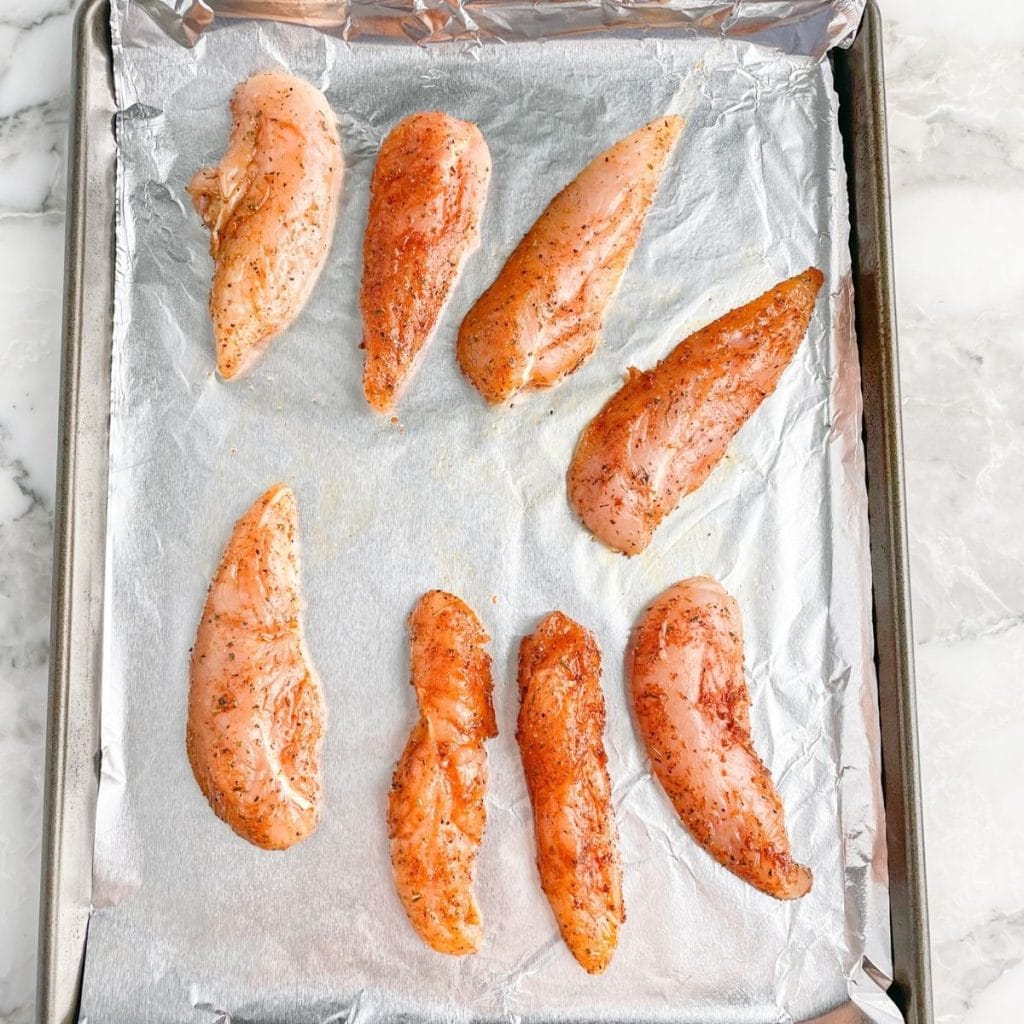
(542, 317)
(561, 738)
(685, 667)
(426, 199)
(270, 205)
(436, 811)
(659, 437)
(255, 708)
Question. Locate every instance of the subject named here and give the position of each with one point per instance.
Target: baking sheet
(191, 923)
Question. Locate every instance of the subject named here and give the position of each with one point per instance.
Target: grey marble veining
(35, 40)
(957, 147)
(955, 75)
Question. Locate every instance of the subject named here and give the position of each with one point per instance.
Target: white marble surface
(955, 72)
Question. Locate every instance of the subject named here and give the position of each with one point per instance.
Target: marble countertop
(957, 135)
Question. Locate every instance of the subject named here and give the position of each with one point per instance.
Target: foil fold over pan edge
(810, 27)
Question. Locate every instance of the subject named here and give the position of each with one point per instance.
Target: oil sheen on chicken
(660, 436)
(255, 709)
(426, 198)
(561, 739)
(270, 205)
(436, 811)
(685, 667)
(542, 317)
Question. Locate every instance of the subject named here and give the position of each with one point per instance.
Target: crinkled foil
(793, 26)
(191, 924)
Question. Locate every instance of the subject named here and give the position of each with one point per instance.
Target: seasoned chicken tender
(436, 811)
(685, 667)
(660, 436)
(270, 205)
(561, 738)
(426, 199)
(255, 708)
(542, 317)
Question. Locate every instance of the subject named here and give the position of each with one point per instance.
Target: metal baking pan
(74, 740)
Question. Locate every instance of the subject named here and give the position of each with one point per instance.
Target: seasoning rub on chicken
(255, 708)
(270, 205)
(685, 668)
(542, 317)
(561, 738)
(660, 436)
(426, 199)
(436, 811)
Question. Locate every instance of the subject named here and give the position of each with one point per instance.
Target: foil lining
(190, 924)
(793, 26)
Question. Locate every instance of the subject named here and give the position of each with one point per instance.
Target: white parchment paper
(191, 924)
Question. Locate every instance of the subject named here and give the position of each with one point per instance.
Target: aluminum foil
(191, 924)
(793, 26)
